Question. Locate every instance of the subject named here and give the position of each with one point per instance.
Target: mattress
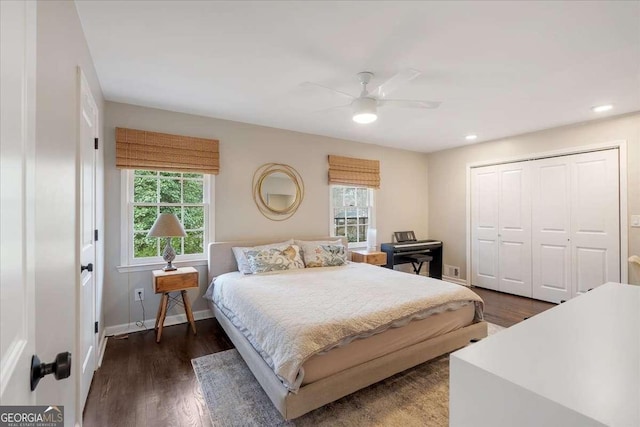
(365, 314)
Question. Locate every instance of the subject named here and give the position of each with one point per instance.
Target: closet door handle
(88, 267)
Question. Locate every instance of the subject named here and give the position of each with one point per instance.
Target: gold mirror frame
(262, 173)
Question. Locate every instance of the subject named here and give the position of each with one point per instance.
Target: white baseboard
(102, 346)
(455, 280)
(175, 319)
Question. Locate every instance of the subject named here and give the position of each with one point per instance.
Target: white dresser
(577, 364)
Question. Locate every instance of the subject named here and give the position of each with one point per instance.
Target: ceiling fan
(365, 106)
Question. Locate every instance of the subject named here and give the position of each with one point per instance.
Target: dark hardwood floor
(142, 383)
(507, 310)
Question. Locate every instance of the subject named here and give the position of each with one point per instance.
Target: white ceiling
(499, 68)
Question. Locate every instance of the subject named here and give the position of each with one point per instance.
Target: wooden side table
(373, 257)
(174, 281)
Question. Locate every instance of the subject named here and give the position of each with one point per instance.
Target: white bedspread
(292, 315)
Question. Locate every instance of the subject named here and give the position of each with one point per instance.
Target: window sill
(158, 265)
(361, 245)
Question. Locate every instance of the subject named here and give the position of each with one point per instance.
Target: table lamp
(371, 239)
(167, 225)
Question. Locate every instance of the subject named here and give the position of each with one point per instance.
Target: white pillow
(241, 259)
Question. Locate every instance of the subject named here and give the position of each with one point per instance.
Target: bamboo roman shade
(139, 149)
(351, 171)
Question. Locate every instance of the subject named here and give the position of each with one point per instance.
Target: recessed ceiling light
(471, 137)
(602, 108)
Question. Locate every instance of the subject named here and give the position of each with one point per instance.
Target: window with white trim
(352, 213)
(150, 193)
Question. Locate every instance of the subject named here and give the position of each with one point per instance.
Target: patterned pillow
(241, 259)
(312, 244)
(324, 255)
(274, 259)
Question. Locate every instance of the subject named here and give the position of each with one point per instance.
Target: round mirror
(277, 190)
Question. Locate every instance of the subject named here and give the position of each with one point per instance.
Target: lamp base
(169, 254)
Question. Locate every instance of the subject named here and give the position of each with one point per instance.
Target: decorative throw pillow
(324, 255)
(313, 243)
(274, 259)
(302, 243)
(241, 259)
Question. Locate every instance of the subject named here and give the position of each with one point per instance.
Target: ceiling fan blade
(337, 107)
(316, 85)
(402, 103)
(396, 81)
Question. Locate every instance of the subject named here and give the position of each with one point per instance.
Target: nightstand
(174, 281)
(373, 257)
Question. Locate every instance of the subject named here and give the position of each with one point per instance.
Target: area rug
(416, 397)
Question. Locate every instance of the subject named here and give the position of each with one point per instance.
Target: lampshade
(364, 110)
(167, 225)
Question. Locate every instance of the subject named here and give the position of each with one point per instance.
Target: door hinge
(95, 235)
(95, 140)
(96, 327)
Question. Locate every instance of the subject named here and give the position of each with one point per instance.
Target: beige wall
(401, 200)
(447, 177)
(61, 48)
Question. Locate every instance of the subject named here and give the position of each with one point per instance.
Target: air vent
(451, 271)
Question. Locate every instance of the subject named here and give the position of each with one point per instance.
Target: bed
(352, 360)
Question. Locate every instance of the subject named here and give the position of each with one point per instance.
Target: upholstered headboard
(221, 259)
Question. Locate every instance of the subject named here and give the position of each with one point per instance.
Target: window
(352, 210)
(150, 193)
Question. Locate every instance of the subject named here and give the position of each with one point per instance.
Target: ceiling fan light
(601, 108)
(364, 118)
(365, 110)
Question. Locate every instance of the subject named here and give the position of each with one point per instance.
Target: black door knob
(60, 368)
(88, 267)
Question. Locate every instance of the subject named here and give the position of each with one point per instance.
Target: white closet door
(484, 226)
(595, 220)
(551, 228)
(514, 232)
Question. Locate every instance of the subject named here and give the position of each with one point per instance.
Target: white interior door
(484, 227)
(514, 231)
(551, 228)
(88, 114)
(595, 220)
(17, 226)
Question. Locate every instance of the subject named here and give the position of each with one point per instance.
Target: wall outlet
(138, 294)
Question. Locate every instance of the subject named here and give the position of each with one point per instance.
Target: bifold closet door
(595, 220)
(551, 228)
(514, 230)
(484, 227)
(575, 226)
(501, 228)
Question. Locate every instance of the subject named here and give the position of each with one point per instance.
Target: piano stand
(417, 253)
(418, 260)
